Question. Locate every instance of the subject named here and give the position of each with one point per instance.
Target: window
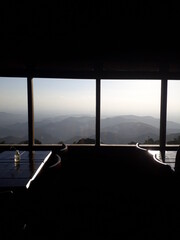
(116, 111)
(130, 111)
(64, 110)
(173, 112)
(13, 110)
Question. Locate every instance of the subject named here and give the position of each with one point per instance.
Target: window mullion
(98, 102)
(30, 112)
(163, 116)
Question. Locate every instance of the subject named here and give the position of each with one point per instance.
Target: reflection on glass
(173, 112)
(13, 110)
(64, 110)
(130, 111)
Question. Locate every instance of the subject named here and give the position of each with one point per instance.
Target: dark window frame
(98, 74)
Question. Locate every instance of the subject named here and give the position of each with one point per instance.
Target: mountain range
(70, 129)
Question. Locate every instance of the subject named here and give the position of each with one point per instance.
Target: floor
(101, 202)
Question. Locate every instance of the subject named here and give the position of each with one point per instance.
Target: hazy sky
(64, 96)
(173, 101)
(67, 96)
(135, 97)
(13, 94)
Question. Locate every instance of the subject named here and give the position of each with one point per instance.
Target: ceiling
(61, 31)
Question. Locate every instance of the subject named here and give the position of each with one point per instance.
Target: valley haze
(122, 129)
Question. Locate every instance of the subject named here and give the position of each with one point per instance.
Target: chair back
(177, 162)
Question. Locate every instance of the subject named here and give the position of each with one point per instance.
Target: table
(21, 174)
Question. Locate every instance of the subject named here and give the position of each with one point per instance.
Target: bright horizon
(78, 97)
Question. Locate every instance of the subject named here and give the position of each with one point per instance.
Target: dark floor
(103, 201)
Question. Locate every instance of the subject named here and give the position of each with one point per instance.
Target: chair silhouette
(53, 166)
(153, 164)
(177, 162)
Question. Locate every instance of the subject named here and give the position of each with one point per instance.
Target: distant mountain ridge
(126, 132)
(12, 118)
(70, 129)
(130, 118)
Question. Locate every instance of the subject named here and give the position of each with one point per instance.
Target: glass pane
(13, 110)
(130, 111)
(64, 110)
(173, 112)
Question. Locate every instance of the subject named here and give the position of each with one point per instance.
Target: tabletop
(22, 173)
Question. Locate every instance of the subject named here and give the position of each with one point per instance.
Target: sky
(173, 100)
(65, 96)
(135, 97)
(74, 96)
(13, 94)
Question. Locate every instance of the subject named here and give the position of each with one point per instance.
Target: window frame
(98, 73)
